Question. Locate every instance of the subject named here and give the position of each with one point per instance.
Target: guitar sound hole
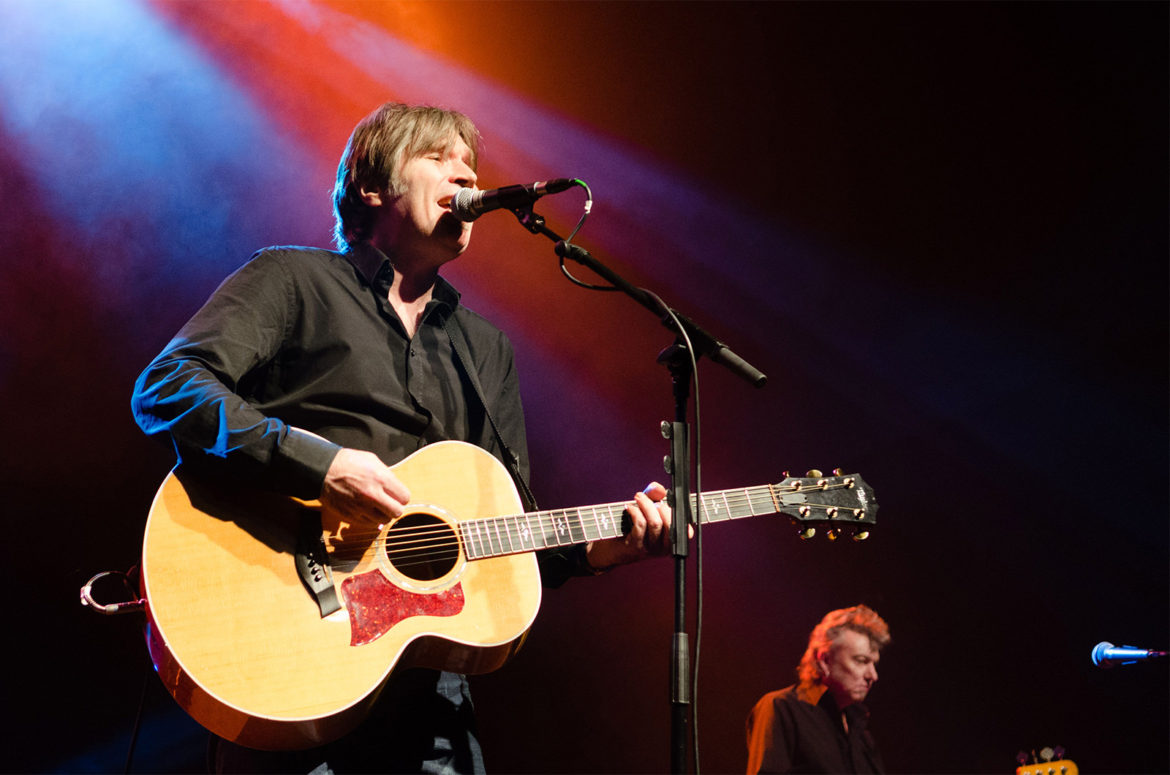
(422, 547)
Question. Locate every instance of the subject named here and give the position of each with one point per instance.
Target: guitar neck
(498, 536)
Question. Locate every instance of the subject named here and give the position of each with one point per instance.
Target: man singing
(310, 372)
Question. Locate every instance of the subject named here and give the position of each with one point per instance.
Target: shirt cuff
(302, 460)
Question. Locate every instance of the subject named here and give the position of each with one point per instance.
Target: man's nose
(464, 175)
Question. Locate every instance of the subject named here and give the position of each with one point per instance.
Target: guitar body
(242, 645)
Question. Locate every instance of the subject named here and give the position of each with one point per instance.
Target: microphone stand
(677, 359)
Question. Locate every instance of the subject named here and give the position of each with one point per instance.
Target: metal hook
(110, 609)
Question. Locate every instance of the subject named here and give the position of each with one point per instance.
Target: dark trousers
(423, 722)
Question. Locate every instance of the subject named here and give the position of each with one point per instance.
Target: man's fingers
(650, 512)
(362, 487)
(395, 489)
(648, 524)
(385, 506)
(655, 491)
(637, 526)
(390, 496)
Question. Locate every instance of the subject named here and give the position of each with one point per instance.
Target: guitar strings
(439, 541)
(550, 518)
(739, 497)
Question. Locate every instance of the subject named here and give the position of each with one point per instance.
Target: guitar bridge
(312, 562)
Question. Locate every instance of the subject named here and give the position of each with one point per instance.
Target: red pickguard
(375, 605)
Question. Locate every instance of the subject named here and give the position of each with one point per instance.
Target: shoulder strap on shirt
(511, 459)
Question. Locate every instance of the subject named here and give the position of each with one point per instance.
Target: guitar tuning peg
(807, 533)
(1022, 758)
(1059, 752)
(785, 474)
(833, 534)
(814, 473)
(838, 472)
(1046, 753)
(861, 535)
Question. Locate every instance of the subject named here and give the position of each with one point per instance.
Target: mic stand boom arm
(702, 342)
(677, 360)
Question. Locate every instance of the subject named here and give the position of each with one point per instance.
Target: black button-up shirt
(306, 337)
(799, 729)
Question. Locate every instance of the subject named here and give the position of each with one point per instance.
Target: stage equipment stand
(691, 343)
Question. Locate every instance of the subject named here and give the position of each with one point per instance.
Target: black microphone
(1105, 654)
(470, 203)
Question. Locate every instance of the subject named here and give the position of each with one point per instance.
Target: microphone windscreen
(463, 204)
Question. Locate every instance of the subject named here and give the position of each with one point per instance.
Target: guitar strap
(463, 355)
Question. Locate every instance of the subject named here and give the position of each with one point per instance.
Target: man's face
(418, 222)
(850, 667)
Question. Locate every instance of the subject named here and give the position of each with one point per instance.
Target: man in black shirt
(820, 724)
(310, 372)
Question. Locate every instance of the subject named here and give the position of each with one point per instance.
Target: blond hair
(860, 619)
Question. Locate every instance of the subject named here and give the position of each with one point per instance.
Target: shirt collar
(373, 264)
(367, 258)
(818, 694)
(810, 692)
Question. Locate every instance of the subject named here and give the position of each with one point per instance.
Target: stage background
(940, 229)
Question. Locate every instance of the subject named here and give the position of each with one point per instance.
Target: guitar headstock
(1051, 761)
(841, 503)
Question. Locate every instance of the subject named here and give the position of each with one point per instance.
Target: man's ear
(370, 196)
(823, 662)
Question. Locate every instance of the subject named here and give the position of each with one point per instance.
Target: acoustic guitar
(274, 624)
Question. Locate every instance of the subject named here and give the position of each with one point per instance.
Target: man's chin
(460, 236)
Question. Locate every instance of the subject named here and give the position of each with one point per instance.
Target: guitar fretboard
(497, 536)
